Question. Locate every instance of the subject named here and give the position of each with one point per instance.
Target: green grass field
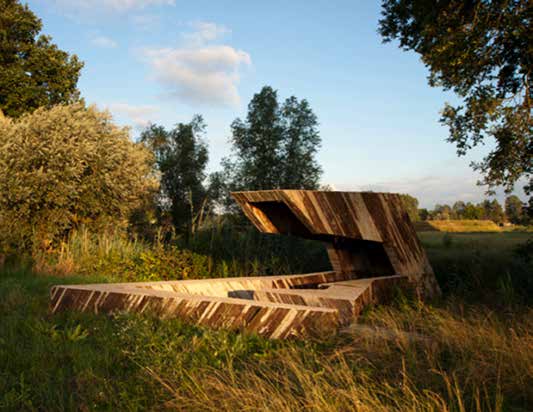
(473, 350)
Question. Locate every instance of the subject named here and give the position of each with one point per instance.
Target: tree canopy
(182, 156)
(514, 209)
(275, 147)
(64, 167)
(34, 72)
(411, 206)
(483, 51)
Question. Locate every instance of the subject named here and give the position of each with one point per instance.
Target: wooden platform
(371, 244)
(271, 306)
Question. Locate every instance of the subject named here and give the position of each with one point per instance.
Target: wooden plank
(353, 217)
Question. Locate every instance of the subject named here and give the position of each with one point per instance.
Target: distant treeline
(514, 211)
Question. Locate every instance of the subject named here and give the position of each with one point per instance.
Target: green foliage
(486, 210)
(410, 204)
(513, 209)
(33, 71)
(63, 167)
(411, 356)
(275, 147)
(217, 251)
(182, 157)
(474, 266)
(493, 211)
(472, 211)
(249, 252)
(482, 51)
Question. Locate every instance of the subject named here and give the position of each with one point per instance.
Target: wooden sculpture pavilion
(371, 244)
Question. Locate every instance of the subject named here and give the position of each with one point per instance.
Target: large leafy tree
(64, 167)
(301, 141)
(483, 51)
(181, 156)
(33, 71)
(275, 147)
(257, 144)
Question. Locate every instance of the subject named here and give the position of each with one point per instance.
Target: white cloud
(110, 5)
(104, 42)
(430, 190)
(204, 32)
(199, 73)
(140, 116)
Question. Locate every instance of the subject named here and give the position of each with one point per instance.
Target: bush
(63, 167)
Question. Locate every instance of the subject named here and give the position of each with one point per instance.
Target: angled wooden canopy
(371, 244)
(366, 233)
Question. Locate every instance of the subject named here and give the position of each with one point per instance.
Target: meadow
(471, 350)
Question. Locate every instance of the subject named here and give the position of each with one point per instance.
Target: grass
(466, 352)
(463, 225)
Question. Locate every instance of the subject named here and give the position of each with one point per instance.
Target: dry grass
(445, 362)
(458, 226)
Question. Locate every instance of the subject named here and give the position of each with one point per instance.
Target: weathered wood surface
(272, 320)
(366, 233)
(271, 306)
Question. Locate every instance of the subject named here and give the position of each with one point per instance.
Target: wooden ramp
(371, 244)
(270, 306)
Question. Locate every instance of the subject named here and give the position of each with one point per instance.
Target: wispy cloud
(140, 116)
(197, 72)
(109, 5)
(204, 32)
(104, 42)
(430, 190)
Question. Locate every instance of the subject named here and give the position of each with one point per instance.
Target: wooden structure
(371, 244)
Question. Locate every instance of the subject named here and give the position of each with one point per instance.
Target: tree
(473, 212)
(181, 157)
(301, 141)
(441, 212)
(492, 210)
(458, 209)
(33, 71)
(275, 147)
(64, 167)
(423, 214)
(257, 144)
(513, 209)
(410, 204)
(482, 51)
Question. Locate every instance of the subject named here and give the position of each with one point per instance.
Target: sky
(162, 61)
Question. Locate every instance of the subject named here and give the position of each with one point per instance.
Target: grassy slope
(457, 357)
(458, 226)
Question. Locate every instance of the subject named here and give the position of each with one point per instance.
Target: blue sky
(162, 61)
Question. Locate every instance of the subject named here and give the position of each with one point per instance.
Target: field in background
(471, 351)
(457, 226)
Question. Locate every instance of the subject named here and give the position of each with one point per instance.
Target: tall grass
(428, 360)
(216, 251)
(408, 357)
(478, 267)
(483, 267)
(456, 356)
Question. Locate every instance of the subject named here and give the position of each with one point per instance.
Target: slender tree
(301, 141)
(275, 147)
(257, 144)
(513, 209)
(458, 209)
(181, 156)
